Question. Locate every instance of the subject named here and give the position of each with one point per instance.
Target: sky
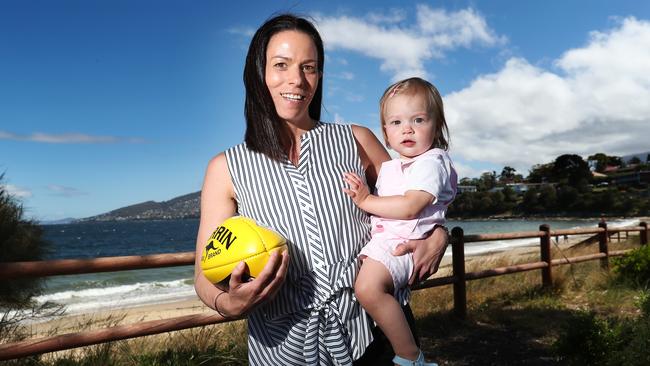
(105, 104)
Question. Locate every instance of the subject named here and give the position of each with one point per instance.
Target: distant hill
(67, 220)
(182, 207)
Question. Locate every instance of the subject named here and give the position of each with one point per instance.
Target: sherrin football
(239, 239)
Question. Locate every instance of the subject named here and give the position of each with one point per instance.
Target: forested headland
(602, 185)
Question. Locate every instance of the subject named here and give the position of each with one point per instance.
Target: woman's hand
(427, 254)
(242, 296)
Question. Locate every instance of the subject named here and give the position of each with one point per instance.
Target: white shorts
(380, 248)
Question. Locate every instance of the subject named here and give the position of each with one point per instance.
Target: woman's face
(292, 74)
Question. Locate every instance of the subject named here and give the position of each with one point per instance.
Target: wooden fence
(458, 279)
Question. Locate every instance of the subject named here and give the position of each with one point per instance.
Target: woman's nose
(296, 77)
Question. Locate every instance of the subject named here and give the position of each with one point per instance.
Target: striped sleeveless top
(314, 319)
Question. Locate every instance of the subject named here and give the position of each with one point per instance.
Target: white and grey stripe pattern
(315, 319)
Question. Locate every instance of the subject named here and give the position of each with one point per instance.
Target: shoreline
(476, 218)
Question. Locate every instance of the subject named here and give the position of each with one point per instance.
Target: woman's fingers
(272, 288)
(237, 275)
(244, 296)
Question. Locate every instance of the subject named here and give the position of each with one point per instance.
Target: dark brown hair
(266, 132)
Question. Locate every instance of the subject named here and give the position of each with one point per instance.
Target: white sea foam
(117, 297)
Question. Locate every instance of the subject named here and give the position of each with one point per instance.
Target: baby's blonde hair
(435, 110)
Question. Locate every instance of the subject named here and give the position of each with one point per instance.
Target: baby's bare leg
(374, 290)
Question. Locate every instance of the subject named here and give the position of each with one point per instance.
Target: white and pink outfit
(432, 172)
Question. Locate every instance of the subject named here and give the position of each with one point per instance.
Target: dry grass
(511, 319)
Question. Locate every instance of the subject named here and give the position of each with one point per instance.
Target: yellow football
(239, 239)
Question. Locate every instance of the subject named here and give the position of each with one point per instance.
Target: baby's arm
(399, 207)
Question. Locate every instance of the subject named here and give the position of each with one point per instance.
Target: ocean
(105, 291)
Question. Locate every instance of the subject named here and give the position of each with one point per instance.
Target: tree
(507, 174)
(603, 161)
(571, 169)
(487, 181)
(541, 173)
(20, 240)
(634, 160)
(567, 198)
(547, 198)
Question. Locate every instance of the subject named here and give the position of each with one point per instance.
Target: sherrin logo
(223, 236)
(239, 239)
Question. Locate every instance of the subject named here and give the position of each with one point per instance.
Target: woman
(287, 176)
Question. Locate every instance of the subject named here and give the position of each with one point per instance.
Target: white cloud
(64, 191)
(403, 50)
(597, 101)
(66, 138)
(461, 28)
(242, 31)
(466, 170)
(339, 119)
(16, 191)
(345, 76)
(393, 16)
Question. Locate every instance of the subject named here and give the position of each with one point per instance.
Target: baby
(413, 193)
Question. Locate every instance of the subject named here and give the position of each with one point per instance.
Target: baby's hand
(358, 190)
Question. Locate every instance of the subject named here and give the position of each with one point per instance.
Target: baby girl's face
(409, 128)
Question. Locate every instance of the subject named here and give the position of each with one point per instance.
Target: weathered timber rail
(458, 279)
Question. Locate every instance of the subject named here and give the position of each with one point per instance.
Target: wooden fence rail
(458, 279)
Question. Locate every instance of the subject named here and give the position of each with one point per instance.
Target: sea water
(116, 290)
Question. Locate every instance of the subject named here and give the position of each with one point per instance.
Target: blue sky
(104, 104)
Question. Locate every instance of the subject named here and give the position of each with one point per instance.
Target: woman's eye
(280, 65)
(310, 69)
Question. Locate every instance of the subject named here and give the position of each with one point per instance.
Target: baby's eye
(418, 120)
(394, 123)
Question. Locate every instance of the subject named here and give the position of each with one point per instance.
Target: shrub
(634, 268)
(20, 240)
(588, 340)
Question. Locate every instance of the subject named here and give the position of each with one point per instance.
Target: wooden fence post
(643, 234)
(602, 245)
(458, 264)
(545, 251)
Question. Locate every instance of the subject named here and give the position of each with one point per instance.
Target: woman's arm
(371, 152)
(218, 204)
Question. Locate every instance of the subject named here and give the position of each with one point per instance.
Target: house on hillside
(631, 177)
(467, 188)
(519, 188)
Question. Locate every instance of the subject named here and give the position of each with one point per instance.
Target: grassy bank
(511, 321)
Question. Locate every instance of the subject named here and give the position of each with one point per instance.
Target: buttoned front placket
(324, 327)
